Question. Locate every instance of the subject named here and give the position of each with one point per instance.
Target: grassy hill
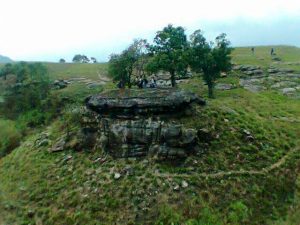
(234, 182)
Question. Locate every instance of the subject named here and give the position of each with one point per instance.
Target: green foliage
(170, 52)
(62, 61)
(206, 217)
(121, 66)
(93, 59)
(210, 58)
(7, 69)
(238, 213)
(80, 59)
(33, 118)
(168, 215)
(9, 136)
(31, 88)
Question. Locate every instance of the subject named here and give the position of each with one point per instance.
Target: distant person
(121, 84)
(272, 51)
(252, 50)
(144, 82)
(153, 83)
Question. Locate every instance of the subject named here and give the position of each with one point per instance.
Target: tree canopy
(80, 59)
(32, 86)
(170, 51)
(210, 59)
(121, 66)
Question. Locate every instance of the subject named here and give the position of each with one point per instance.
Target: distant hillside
(5, 59)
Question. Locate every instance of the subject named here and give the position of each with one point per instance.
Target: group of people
(272, 51)
(142, 82)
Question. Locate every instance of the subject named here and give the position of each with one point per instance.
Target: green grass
(75, 70)
(263, 58)
(38, 187)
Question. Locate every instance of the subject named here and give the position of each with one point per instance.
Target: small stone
(68, 157)
(184, 184)
(117, 176)
(44, 142)
(176, 187)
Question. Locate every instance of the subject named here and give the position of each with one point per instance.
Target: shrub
(9, 137)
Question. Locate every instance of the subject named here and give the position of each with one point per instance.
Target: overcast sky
(46, 30)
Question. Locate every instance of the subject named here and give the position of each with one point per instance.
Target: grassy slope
(43, 188)
(71, 70)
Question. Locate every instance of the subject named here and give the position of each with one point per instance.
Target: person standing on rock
(272, 51)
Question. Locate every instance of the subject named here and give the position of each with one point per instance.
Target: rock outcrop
(133, 123)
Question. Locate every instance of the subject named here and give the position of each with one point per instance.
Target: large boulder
(129, 103)
(134, 123)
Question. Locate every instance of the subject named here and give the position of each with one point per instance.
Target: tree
(93, 59)
(31, 88)
(121, 66)
(170, 51)
(7, 69)
(62, 61)
(210, 59)
(80, 59)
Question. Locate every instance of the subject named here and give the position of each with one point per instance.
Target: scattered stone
(68, 157)
(176, 187)
(184, 184)
(223, 74)
(44, 142)
(287, 91)
(117, 176)
(128, 170)
(223, 87)
(59, 145)
(60, 84)
(248, 136)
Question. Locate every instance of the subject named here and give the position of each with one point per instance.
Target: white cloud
(47, 29)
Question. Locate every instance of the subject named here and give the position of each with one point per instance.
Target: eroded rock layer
(133, 123)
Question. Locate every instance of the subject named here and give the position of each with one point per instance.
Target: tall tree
(93, 59)
(121, 66)
(170, 51)
(31, 88)
(7, 69)
(80, 59)
(210, 59)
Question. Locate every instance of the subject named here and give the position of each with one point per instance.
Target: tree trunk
(173, 81)
(129, 81)
(210, 90)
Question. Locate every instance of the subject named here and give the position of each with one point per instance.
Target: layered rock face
(132, 123)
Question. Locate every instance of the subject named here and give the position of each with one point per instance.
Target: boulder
(60, 84)
(135, 123)
(287, 91)
(223, 87)
(129, 103)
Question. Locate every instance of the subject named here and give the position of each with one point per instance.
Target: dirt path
(221, 174)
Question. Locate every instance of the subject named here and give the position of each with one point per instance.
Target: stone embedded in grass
(117, 176)
(223, 87)
(184, 184)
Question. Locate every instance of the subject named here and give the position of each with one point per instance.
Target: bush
(9, 137)
(168, 216)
